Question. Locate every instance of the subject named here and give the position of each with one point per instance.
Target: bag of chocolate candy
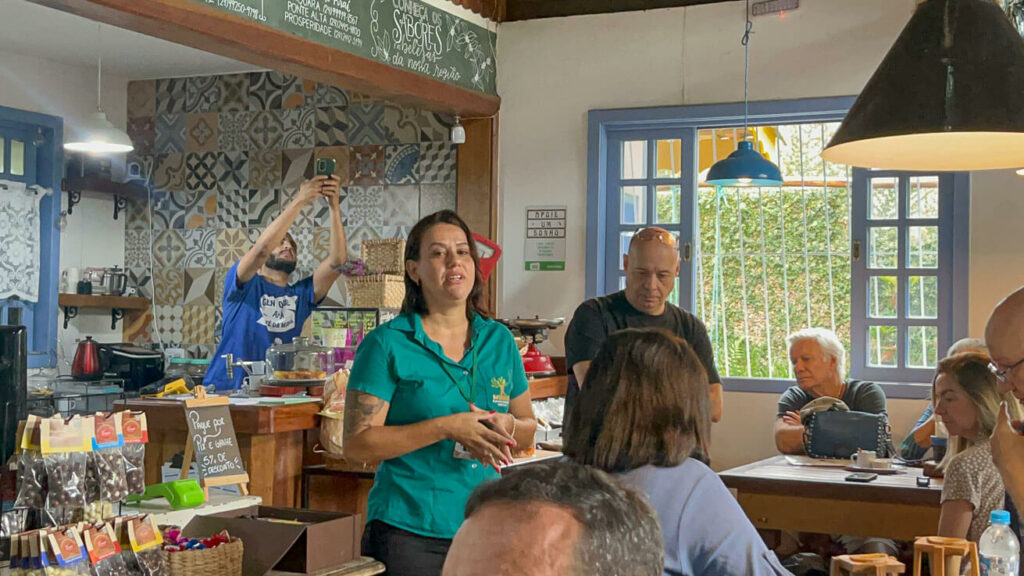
(104, 552)
(105, 475)
(32, 483)
(64, 554)
(145, 539)
(65, 444)
(136, 435)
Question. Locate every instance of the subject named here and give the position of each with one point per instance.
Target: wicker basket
(224, 560)
(376, 291)
(384, 255)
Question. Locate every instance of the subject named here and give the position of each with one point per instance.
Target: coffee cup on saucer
(864, 458)
(882, 464)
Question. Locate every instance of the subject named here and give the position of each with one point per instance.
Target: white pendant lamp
(96, 135)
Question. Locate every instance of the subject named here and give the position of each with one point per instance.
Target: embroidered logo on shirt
(278, 312)
(501, 397)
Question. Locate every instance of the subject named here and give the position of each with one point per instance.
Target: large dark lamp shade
(949, 95)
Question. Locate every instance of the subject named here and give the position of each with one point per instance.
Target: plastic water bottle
(998, 548)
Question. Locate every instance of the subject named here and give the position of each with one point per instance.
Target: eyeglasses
(663, 236)
(1004, 374)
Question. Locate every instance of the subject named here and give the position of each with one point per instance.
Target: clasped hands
(485, 434)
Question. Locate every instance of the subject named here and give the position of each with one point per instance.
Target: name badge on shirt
(461, 453)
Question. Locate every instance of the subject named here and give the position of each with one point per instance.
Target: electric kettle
(86, 365)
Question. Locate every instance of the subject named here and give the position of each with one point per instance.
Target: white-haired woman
(819, 364)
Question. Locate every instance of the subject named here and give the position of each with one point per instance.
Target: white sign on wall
(545, 238)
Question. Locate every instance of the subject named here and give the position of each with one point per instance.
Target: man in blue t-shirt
(260, 306)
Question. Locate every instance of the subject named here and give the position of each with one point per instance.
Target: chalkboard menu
(406, 34)
(213, 443)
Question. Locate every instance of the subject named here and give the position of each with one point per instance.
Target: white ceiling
(32, 30)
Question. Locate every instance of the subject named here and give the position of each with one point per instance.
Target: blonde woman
(967, 401)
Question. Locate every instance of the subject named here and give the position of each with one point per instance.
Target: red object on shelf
(536, 363)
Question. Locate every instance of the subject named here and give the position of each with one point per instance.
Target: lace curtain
(19, 241)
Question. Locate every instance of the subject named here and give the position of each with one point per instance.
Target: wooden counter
(541, 388)
(270, 438)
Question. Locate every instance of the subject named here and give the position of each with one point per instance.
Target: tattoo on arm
(360, 410)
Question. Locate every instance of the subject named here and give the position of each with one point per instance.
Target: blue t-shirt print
(256, 315)
(278, 312)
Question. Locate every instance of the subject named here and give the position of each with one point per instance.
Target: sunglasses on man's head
(648, 234)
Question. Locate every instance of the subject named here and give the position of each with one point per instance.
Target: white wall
(92, 237)
(552, 72)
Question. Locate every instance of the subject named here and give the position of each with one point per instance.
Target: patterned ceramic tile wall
(225, 153)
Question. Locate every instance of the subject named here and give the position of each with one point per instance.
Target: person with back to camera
(438, 396)
(643, 415)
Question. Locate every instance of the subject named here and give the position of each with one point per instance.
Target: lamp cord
(746, 70)
(99, 67)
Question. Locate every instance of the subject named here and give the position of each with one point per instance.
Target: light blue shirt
(705, 530)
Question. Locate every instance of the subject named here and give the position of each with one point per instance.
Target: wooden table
(270, 438)
(779, 496)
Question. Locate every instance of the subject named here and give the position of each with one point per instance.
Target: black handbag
(837, 434)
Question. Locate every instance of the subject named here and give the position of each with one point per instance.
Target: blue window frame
(906, 228)
(39, 137)
(609, 218)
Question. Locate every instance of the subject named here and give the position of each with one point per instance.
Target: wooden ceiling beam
(532, 9)
(217, 32)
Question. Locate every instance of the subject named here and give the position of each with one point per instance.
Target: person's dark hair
(414, 300)
(621, 535)
(644, 401)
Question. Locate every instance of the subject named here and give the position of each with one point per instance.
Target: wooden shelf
(102, 301)
(116, 304)
(134, 189)
(541, 388)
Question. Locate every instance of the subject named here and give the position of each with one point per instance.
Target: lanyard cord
(472, 382)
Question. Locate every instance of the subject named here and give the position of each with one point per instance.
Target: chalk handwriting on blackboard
(213, 439)
(407, 34)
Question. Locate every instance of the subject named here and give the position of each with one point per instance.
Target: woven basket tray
(376, 291)
(224, 560)
(384, 255)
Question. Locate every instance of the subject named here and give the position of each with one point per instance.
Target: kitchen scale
(532, 332)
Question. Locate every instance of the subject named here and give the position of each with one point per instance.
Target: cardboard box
(325, 540)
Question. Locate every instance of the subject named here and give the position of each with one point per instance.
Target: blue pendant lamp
(745, 167)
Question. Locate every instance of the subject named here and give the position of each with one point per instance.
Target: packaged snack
(146, 541)
(16, 567)
(32, 484)
(64, 447)
(106, 462)
(136, 435)
(65, 555)
(104, 552)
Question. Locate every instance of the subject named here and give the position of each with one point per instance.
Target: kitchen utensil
(180, 494)
(299, 360)
(69, 280)
(115, 281)
(532, 332)
(95, 277)
(86, 365)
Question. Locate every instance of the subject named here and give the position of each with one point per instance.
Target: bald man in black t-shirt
(652, 266)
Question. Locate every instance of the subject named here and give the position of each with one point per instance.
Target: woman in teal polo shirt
(439, 397)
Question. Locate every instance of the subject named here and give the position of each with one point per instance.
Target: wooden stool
(938, 549)
(878, 564)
